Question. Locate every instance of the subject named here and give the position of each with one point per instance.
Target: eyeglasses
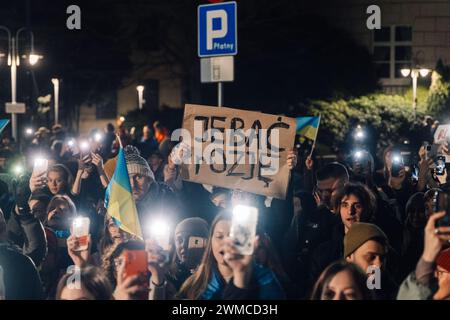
(440, 273)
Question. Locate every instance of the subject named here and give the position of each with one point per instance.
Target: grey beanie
(196, 227)
(136, 164)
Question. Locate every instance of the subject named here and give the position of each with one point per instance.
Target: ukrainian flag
(3, 124)
(119, 199)
(307, 127)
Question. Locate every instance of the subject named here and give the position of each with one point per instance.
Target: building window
(392, 50)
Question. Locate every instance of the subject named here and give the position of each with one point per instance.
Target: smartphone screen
(396, 167)
(80, 229)
(243, 228)
(40, 166)
(440, 165)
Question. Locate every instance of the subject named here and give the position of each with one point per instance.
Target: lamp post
(13, 62)
(140, 90)
(55, 82)
(414, 73)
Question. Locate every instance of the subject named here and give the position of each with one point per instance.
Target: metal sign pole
(220, 93)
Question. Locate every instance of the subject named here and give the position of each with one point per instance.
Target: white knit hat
(136, 164)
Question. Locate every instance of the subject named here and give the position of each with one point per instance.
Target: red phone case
(135, 262)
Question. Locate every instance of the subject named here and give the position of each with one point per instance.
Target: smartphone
(40, 166)
(196, 242)
(443, 204)
(243, 228)
(440, 165)
(85, 148)
(80, 229)
(135, 262)
(397, 165)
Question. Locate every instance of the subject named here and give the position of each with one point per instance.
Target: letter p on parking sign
(217, 29)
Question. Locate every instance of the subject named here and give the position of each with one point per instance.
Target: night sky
(284, 52)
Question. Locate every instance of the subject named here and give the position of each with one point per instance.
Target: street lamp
(140, 90)
(13, 62)
(55, 82)
(414, 73)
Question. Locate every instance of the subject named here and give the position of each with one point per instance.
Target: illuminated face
(114, 231)
(59, 216)
(74, 293)
(351, 211)
(342, 287)
(55, 182)
(327, 189)
(140, 185)
(221, 231)
(190, 257)
(371, 253)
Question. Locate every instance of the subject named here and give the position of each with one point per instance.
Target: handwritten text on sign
(237, 149)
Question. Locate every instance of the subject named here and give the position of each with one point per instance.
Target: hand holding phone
(397, 165)
(135, 262)
(440, 165)
(243, 228)
(80, 229)
(40, 166)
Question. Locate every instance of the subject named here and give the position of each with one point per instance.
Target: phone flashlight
(28, 131)
(359, 134)
(160, 232)
(358, 154)
(84, 146)
(71, 143)
(243, 228)
(396, 159)
(18, 169)
(98, 137)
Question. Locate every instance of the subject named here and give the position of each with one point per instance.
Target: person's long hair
(196, 284)
(113, 252)
(359, 277)
(106, 241)
(93, 279)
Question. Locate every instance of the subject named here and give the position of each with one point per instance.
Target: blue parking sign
(217, 29)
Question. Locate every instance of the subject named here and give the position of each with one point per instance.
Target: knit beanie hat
(196, 227)
(136, 164)
(359, 234)
(443, 260)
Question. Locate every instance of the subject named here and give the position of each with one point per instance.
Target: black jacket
(308, 230)
(326, 253)
(27, 232)
(21, 278)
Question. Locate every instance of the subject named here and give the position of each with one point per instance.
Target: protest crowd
(360, 227)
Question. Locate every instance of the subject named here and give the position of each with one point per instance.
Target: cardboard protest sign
(442, 133)
(237, 149)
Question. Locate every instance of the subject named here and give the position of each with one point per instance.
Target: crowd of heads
(366, 227)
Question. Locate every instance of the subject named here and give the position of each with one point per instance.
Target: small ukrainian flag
(119, 200)
(307, 127)
(3, 124)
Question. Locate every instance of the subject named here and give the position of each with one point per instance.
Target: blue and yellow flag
(119, 199)
(307, 127)
(3, 124)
